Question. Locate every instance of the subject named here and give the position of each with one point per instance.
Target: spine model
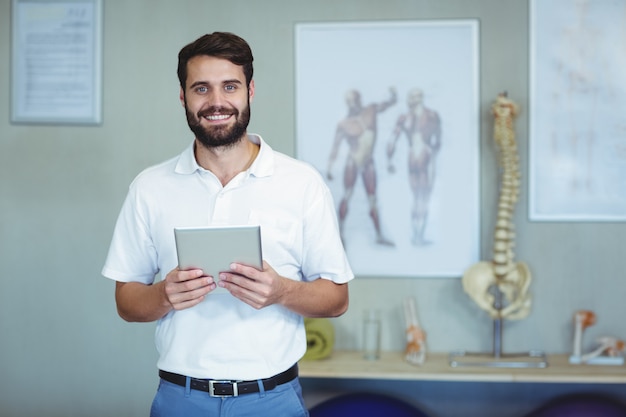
(511, 278)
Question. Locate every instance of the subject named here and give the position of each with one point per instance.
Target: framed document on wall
(56, 62)
(388, 112)
(577, 163)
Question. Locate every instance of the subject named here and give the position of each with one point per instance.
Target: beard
(218, 136)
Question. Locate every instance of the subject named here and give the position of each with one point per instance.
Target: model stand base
(598, 360)
(497, 359)
(532, 359)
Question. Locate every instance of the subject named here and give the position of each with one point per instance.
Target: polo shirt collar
(262, 166)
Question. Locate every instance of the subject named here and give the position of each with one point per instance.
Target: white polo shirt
(222, 337)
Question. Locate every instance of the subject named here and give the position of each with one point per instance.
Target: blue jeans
(173, 400)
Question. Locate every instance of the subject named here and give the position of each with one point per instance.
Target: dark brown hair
(220, 45)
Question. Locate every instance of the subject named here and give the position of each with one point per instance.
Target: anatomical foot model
(415, 352)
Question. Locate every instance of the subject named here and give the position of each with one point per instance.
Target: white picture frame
(439, 57)
(56, 62)
(577, 135)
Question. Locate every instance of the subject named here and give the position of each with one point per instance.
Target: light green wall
(61, 189)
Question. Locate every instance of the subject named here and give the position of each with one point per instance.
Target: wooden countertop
(391, 365)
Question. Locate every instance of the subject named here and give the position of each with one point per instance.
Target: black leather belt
(221, 388)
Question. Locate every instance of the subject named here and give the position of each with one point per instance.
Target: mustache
(217, 110)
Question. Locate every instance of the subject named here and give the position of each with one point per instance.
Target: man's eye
(230, 88)
(201, 89)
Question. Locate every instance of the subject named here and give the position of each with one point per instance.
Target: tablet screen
(213, 249)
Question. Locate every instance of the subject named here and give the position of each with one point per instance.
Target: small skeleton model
(415, 352)
(503, 274)
(609, 350)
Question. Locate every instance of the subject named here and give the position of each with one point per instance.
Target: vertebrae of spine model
(504, 112)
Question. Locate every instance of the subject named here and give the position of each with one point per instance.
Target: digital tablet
(213, 249)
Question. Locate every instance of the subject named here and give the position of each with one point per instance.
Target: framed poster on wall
(56, 60)
(577, 163)
(388, 113)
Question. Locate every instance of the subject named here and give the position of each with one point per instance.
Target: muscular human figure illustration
(422, 128)
(358, 130)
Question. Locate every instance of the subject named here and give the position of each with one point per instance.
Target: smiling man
(233, 353)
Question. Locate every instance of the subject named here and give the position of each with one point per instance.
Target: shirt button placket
(222, 208)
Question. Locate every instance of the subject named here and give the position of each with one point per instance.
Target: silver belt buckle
(212, 388)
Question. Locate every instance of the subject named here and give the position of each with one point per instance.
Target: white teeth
(218, 117)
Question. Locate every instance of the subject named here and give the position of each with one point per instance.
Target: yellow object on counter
(320, 338)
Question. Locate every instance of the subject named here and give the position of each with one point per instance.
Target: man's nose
(216, 97)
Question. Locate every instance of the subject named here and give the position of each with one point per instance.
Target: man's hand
(256, 288)
(185, 289)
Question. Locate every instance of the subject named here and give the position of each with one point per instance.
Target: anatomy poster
(388, 113)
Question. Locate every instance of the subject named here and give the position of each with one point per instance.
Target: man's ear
(251, 90)
(182, 96)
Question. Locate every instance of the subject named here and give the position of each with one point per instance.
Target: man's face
(216, 101)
